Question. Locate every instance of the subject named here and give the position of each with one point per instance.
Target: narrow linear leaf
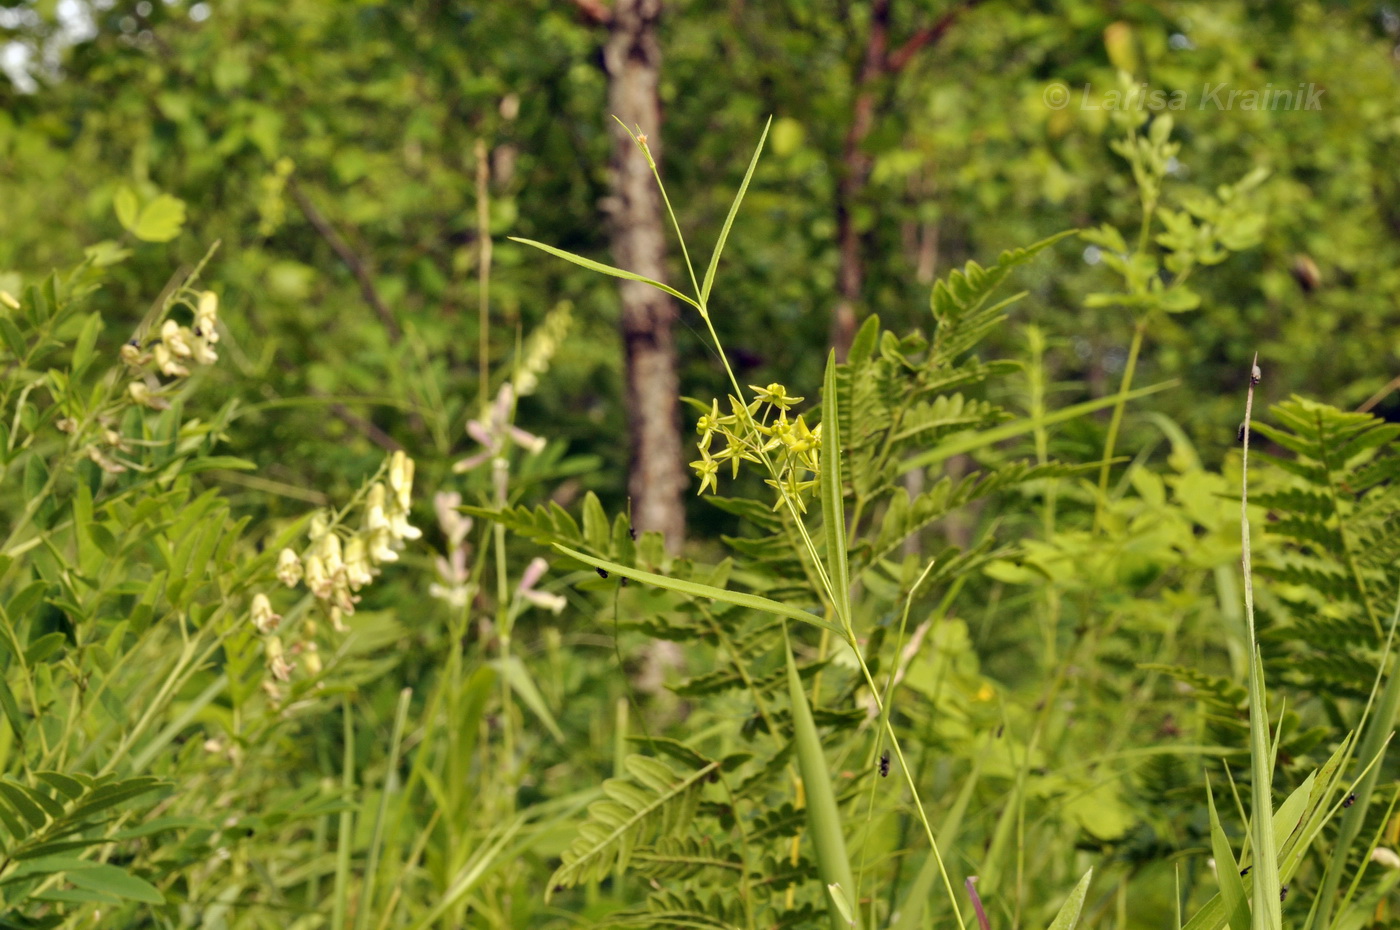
(833, 507)
(1227, 871)
(695, 589)
(823, 816)
(729, 220)
(591, 265)
(108, 879)
(1068, 917)
(518, 677)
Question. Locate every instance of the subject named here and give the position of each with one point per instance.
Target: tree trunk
(657, 478)
(878, 63)
(854, 175)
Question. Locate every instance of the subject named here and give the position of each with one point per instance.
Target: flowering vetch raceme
(496, 432)
(454, 579)
(338, 562)
(172, 349)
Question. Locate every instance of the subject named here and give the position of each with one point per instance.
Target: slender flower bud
(276, 658)
(401, 479)
(206, 317)
(311, 660)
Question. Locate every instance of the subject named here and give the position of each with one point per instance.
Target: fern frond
(906, 516)
(959, 303)
(653, 800)
(672, 859)
(682, 909)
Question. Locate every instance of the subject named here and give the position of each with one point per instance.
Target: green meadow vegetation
(1065, 595)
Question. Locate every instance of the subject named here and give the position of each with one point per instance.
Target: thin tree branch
(347, 256)
(594, 11)
(371, 432)
(929, 35)
(1379, 396)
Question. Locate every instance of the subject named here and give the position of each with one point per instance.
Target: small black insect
(622, 581)
(1245, 871)
(632, 531)
(198, 332)
(136, 343)
(1283, 892)
(1239, 434)
(885, 764)
(601, 573)
(1351, 799)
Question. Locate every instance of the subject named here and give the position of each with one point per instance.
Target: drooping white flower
(497, 432)
(358, 570)
(1384, 856)
(176, 338)
(454, 526)
(526, 589)
(288, 568)
(262, 615)
(168, 364)
(317, 578)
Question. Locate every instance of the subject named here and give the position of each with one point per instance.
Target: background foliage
(1067, 668)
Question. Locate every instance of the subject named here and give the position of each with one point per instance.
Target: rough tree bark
(877, 63)
(657, 478)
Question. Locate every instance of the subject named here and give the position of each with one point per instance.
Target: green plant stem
(1266, 911)
(345, 840)
(483, 276)
(1117, 419)
(366, 902)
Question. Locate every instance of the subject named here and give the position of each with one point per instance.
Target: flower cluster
(761, 432)
(171, 351)
(110, 443)
(497, 433)
(338, 562)
(454, 579)
(540, 348)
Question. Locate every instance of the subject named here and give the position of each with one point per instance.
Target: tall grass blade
(1068, 917)
(1227, 871)
(346, 840)
(1268, 909)
(381, 817)
(1377, 730)
(823, 816)
(833, 508)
